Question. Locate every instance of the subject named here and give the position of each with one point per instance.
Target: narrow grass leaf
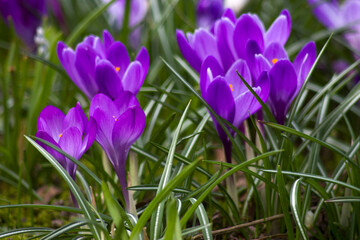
(203, 219)
(173, 230)
(294, 203)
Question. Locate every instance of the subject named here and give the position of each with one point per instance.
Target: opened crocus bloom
(104, 66)
(120, 123)
(25, 16)
(228, 95)
(73, 134)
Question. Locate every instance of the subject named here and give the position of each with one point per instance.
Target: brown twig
(244, 225)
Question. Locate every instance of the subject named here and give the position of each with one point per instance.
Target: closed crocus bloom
(120, 123)
(208, 11)
(73, 133)
(104, 66)
(228, 95)
(286, 78)
(228, 37)
(333, 16)
(25, 16)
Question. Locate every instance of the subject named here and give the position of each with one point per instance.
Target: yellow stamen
(231, 87)
(117, 69)
(274, 60)
(60, 135)
(114, 118)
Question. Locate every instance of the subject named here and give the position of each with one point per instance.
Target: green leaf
(294, 203)
(173, 229)
(203, 219)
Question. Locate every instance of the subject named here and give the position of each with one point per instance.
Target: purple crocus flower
(73, 134)
(104, 66)
(229, 36)
(286, 78)
(208, 11)
(120, 123)
(228, 95)
(333, 16)
(25, 16)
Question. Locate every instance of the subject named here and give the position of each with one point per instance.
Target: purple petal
(132, 80)
(224, 30)
(108, 79)
(128, 128)
(350, 11)
(50, 120)
(204, 44)
(107, 39)
(209, 70)
(71, 142)
(73, 119)
(105, 124)
(104, 103)
(274, 52)
(89, 135)
(44, 135)
(82, 115)
(247, 29)
(143, 58)
(242, 107)
(283, 84)
(119, 58)
(124, 101)
(220, 98)
(279, 31)
(85, 65)
(189, 54)
(232, 78)
(229, 13)
(303, 62)
(256, 61)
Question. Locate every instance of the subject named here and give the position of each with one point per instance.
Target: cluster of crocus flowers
(102, 70)
(104, 66)
(333, 16)
(243, 45)
(25, 15)
(246, 38)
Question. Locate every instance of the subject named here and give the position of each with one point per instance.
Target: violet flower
(229, 96)
(333, 16)
(208, 11)
(73, 134)
(120, 123)
(104, 66)
(286, 78)
(229, 36)
(25, 15)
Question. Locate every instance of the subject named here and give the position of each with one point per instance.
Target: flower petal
(104, 103)
(283, 84)
(209, 70)
(73, 119)
(44, 135)
(232, 78)
(124, 101)
(279, 31)
(133, 78)
(229, 14)
(274, 52)
(189, 54)
(108, 79)
(224, 30)
(119, 57)
(303, 62)
(50, 121)
(256, 61)
(247, 29)
(71, 142)
(328, 13)
(143, 58)
(204, 43)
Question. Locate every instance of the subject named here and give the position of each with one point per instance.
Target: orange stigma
(274, 60)
(114, 118)
(60, 135)
(231, 87)
(117, 69)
